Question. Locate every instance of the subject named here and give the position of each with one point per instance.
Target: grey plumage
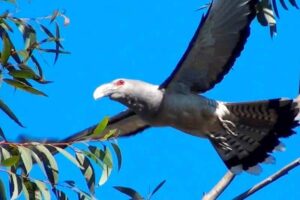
(244, 134)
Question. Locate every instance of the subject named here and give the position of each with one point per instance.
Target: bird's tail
(252, 131)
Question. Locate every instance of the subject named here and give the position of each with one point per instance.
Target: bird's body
(190, 113)
(244, 134)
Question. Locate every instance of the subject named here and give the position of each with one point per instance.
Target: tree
(20, 78)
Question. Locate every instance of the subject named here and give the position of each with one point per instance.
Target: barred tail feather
(252, 131)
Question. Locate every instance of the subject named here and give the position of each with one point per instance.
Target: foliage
(19, 63)
(267, 11)
(17, 160)
(134, 195)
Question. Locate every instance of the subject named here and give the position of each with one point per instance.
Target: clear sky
(144, 40)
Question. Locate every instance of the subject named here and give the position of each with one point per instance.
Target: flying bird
(244, 134)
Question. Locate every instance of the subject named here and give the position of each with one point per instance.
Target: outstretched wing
(217, 43)
(127, 123)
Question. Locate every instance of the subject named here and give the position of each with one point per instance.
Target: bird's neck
(144, 100)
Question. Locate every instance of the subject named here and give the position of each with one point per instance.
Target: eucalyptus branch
(219, 188)
(284, 171)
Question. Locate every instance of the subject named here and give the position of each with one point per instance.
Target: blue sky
(144, 40)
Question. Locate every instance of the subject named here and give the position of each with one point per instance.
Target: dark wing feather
(217, 43)
(127, 123)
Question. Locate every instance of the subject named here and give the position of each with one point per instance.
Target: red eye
(120, 82)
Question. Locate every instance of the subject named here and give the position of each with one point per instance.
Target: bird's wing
(218, 41)
(126, 123)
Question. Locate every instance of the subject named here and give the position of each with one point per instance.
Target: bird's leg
(229, 126)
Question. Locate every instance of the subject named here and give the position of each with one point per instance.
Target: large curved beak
(103, 91)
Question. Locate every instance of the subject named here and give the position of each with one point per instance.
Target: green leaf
(43, 189)
(68, 156)
(60, 195)
(38, 66)
(26, 158)
(157, 188)
(30, 38)
(6, 49)
(105, 175)
(2, 136)
(107, 166)
(27, 190)
(87, 170)
(4, 24)
(130, 192)
(49, 163)
(23, 86)
(54, 51)
(81, 194)
(108, 158)
(110, 134)
(266, 16)
(118, 154)
(23, 73)
(9, 113)
(94, 158)
(38, 161)
(2, 190)
(100, 128)
(4, 154)
(10, 161)
(57, 42)
(15, 185)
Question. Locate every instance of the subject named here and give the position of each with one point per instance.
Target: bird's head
(137, 95)
(114, 90)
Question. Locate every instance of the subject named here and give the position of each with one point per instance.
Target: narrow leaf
(54, 51)
(43, 189)
(10, 161)
(49, 162)
(68, 156)
(26, 73)
(6, 49)
(87, 170)
(118, 154)
(57, 43)
(100, 128)
(26, 158)
(129, 192)
(38, 161)
(15, 186)
(157, 187)
(283, 4)
(294, 3)
(2, 190)
(54, 15)
(23, 86)
(4, 154)
(2, 134)
(105, 174)
(9, 113)
(274, 4)
(60, 195)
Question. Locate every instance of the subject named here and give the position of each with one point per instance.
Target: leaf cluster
(267, 12)
(20, 65)
(17, 160)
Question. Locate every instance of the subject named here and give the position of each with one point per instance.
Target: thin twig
(217, 190)
(270, 179)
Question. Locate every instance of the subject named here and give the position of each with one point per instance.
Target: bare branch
(218, 189)
(270, 179)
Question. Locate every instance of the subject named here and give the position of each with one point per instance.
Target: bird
(244, 134)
